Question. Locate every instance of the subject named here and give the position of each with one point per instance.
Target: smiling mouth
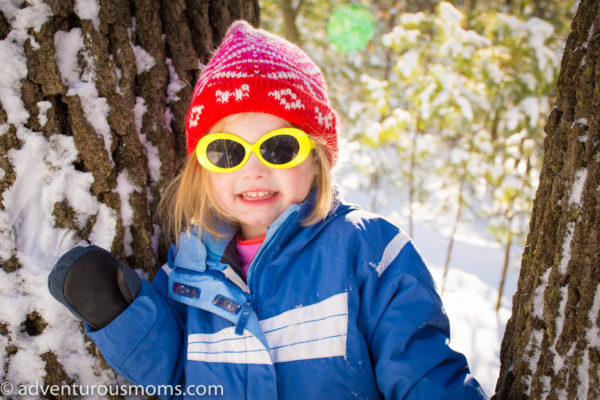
(259, 195)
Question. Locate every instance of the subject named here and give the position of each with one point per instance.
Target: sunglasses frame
(305, 144)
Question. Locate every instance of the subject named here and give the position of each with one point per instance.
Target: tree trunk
(93, 103)
(507, 247)
(460, 201)
(550, 348)
(290, 12)
(412, 181)
(414, 6)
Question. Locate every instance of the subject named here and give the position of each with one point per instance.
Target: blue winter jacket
(342, 309)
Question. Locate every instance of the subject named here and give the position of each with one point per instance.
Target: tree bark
(550, 345)
(130, 161)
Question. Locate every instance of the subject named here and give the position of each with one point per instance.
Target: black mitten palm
(93, 285)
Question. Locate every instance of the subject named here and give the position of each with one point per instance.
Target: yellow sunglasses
(279, 149)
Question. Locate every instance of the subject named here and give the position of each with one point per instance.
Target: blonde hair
(189, 200)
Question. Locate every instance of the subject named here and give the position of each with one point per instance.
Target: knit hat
(256, 71)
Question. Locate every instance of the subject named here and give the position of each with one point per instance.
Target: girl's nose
(254, 169)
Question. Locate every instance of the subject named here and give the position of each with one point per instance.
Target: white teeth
(256, 195)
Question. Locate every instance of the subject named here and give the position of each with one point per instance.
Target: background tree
(93, 99)
(472, 93)
(551, 345)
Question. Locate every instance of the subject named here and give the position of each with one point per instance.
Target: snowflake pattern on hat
(238, 94)
(284, 95)
(323, 119)
(256, 71)
(195, 113)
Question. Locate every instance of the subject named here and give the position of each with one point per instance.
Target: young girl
(275, 288)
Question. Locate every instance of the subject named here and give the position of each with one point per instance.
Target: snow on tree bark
(551, 347)
(93, 97)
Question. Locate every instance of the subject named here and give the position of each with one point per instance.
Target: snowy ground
(470, 297)
(472, 283)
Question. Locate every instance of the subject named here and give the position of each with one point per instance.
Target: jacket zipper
(254, 266)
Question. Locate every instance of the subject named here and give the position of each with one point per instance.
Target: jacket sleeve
(145, 342)
(407, 330)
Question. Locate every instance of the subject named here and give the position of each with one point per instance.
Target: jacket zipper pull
(246, 310)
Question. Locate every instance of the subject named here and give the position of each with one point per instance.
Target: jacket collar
(196, 254)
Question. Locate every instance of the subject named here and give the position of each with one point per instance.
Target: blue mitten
(93, 285)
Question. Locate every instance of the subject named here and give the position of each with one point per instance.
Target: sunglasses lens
(225, 153)
(280, 149)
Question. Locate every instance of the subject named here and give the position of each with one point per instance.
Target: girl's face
(255, 195)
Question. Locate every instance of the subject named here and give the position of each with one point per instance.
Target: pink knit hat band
(255, 71)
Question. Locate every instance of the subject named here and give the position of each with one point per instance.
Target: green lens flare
(350, 27)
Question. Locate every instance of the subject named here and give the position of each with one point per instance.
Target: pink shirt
(247, 249)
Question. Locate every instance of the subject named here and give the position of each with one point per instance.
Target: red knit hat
(256, 71)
